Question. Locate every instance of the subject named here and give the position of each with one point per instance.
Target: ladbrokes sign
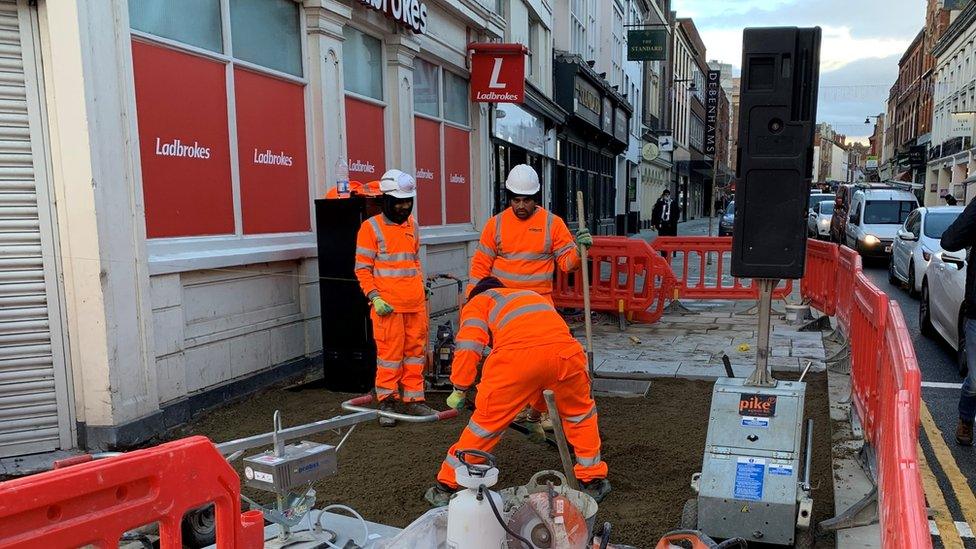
(409, 13)
(497, 73)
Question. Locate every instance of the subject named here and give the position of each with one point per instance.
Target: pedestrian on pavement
(665, 214)
(522, 245)
(962, 235)
(950, 200)
(531, 351)
(389, 273)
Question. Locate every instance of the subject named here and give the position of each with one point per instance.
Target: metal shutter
(29, 411)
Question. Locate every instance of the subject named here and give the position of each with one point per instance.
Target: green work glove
(456, 400)
(536, 433)
(584, 238)
(382, 307)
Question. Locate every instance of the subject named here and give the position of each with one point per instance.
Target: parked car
(876, 214)
(941, 310)
(728, 220)
(842, 204)
(916, 242)
(817, 197)
(818, 222)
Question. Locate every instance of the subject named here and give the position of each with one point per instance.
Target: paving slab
(655, 368)
(706, 371)
(620, 387)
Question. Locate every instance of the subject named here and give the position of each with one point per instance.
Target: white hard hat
(398, 184)
(523, 180)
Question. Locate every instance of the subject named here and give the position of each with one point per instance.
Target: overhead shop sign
(409, 13)
(647, 45)
(711, 110)
(497, 72)
(962, 125)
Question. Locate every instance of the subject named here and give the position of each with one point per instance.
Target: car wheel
(892, 279)
(961, 360)
(911, 280)
(924, 316)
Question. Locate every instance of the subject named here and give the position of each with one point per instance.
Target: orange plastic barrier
(868, 316)
(901, 498)
(699, 285)
(625, 274)
(848, 267)
(95, 503)
(819, 282)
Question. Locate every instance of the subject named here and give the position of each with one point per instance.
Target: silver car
(818, 221)
(943, 292)
(915, 244)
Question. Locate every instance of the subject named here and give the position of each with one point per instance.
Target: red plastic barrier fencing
(819, 282)
(95, 503)
(868, 317)
(625, 273)
(901, 498)
(848, 267)
(695, 281)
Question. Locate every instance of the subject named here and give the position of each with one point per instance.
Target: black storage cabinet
(348, 349)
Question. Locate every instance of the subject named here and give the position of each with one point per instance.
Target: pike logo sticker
(757, 405)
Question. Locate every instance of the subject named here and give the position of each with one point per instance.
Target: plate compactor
(750, 485)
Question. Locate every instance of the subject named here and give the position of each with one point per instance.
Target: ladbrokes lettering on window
(428, 156)
(366, 144)
(271, 153)
(181, 101)
(457, 166)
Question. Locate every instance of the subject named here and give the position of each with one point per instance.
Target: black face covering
(392, 212)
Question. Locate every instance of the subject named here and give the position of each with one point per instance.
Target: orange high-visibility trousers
(401, 353)
(512, 379)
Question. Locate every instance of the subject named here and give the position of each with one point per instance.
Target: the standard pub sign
(647, 45)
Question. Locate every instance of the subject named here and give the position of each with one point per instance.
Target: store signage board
(666, 143)
(365, 140)
(408, 13)
(621, 125)
(497, 73)
(962, 125)
(607, 115)
(712, 90)
(872, 163)
(457, 174)
(587, 101)
(647, 45)
(427, 147)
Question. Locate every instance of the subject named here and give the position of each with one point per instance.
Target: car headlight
(871, 240)
(825, 223)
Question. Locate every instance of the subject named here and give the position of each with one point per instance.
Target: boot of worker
(598, 489)
(439, 495)
(418, 408)
(964, 433)
(388, 405)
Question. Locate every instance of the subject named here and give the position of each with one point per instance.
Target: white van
(876, 214)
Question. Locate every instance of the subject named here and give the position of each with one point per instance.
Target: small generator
(439, 360)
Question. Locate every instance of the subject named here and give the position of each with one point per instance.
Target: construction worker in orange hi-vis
(532, 350)
(389, 272)
(522, 245)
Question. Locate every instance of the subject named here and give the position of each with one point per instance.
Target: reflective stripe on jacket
(523, 254)
(388, 263)
(509, 319)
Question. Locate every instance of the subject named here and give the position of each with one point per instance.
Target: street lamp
(867, 119)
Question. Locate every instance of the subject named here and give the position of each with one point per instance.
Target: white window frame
(448, 232)
(191, 253)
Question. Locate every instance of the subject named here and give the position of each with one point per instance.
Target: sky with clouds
(861, 45)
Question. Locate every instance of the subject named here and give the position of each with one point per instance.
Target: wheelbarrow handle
(358, 404)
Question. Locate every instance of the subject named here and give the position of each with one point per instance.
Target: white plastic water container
(471, 524)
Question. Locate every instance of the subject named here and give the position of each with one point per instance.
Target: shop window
(190, 137)
(193, 22)
(362, 68)
(267, 33)
(443, 152)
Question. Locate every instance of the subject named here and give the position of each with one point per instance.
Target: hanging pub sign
(712, 90)
(497, 72)
(409, 13)
(647, 45)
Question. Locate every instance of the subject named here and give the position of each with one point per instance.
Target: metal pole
(761, 376)
(557, 430)
(809, 456)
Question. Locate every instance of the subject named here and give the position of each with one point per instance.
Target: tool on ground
(728, 366)
(621, 316)
(557, 430)
(439, 360)
(549, 514)
(693, 539)
(585, 271)
(359, 404)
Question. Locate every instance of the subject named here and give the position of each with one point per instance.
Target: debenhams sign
(409, 13)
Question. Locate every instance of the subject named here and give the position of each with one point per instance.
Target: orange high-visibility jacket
(509, 319)
(523, 254)
(388, 263)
